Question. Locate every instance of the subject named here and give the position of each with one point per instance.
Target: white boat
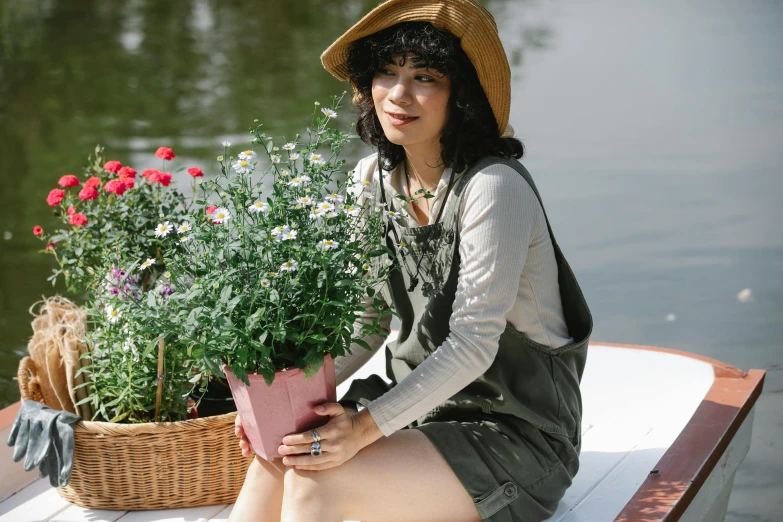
(663, 434)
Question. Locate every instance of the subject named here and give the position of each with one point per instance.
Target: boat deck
(663, 433)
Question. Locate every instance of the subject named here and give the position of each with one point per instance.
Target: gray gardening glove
(45, 438)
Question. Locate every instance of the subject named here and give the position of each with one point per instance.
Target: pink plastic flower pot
(269, 413)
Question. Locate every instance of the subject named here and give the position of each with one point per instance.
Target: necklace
(410, 189)
(413, 277)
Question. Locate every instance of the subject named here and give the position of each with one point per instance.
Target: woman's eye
(426, 79)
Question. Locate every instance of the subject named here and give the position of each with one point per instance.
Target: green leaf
(225, 294)
(321, 278)
(151, 346)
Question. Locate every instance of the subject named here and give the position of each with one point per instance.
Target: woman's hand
(239, 431)
(341, 438)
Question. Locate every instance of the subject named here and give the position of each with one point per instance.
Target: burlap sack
(55, 347)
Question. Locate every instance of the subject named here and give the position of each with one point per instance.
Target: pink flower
(50, 245)
(112, 166)
(164, 178)
(88, 193)
(93, 182)
(55, 197)
(69, 180)
(115, 186)
(211, 209)
(165, 153)
(71, 210)
(37, 231)
(78, 219)
(195, 172)
(127, 172)
(129, 182)
(149, 172)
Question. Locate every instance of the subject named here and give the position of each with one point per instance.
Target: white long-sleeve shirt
(503, 239)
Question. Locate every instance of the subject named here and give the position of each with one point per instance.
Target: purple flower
(115, 290)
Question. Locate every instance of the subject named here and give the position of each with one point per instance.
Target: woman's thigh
(261, 497)
(400, 477)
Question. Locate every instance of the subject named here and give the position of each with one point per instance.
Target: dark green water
(653, 131)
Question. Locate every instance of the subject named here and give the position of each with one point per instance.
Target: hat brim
(465, 19)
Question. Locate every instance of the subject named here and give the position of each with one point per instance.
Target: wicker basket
(151, 465)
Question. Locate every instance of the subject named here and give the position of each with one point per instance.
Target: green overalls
(512, 436)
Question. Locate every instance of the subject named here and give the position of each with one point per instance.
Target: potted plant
(269, 268)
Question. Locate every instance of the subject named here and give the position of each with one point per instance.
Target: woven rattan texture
(151, 465)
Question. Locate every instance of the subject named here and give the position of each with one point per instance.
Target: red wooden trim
(7, 415)
(681, 472)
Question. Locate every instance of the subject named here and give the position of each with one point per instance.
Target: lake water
(654, 131)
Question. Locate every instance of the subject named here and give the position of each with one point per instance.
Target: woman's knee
(275, 468)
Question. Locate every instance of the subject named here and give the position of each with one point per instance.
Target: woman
(482, 420)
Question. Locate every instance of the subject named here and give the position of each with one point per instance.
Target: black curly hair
(471, 120)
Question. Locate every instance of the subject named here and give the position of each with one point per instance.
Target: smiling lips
(398, 120)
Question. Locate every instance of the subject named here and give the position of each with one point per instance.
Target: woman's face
(403, 91)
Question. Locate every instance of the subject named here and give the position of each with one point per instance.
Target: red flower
(211, 209)
(71, 210)
(129, 182)
(55, 197)
(149, 172)
(88, 193)
(112, 166)
(195, 172)
(165, 153)
(78, 219)
(93, 182)
(126, 172)
(164, 178)
(50, 245)
(69, 180)
(37, 231)
(115, 186)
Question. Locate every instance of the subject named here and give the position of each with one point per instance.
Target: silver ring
(316, 437)
(315, 449)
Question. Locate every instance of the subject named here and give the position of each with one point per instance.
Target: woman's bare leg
(261, 497)
(400, 477)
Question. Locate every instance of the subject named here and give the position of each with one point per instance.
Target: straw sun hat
(465, 19)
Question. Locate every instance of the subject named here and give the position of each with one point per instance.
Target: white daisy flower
(304, 201)
(392, 214)
(335, 198)
(265, 283)
(318, 159)
(258, 207)
(289, 266)
(274, 158)
(163, 229)
(387, 262)
(403, 246)
(184, 239)
(291, 234)
(243, 167)
(148, 263)
(326, 206)
(331, 214)
(279, 230)
(327, 244)
(329, 112)
(305, 179)
(226, 143)
(353, 211)
(113, 314)
(220, 215)
(365, 266)
(184, 227)
(294, 156)
(366, 183)
(247, 155)
(289, 146)
(316, 213)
